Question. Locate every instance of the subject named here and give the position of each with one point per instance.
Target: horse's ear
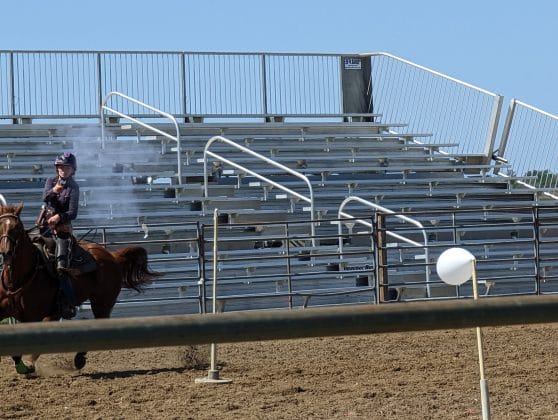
(18, 209)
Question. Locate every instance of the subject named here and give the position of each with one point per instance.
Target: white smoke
(107, 172)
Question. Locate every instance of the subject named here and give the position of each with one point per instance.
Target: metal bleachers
(130, 179)
(305, 133)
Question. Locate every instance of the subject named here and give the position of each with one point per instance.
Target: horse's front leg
(80, 360)
(28, 367)
(21, 367)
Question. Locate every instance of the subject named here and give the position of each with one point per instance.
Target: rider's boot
(66, 293)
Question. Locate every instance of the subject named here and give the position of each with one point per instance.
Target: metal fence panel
(5, 89)
(54, 84)
(303, 84)
(66, 84)
(223, 84)
(59, 84)
(430, 102)
(530, 143)
(153, 78)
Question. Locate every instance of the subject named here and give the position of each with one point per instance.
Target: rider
(61, 195)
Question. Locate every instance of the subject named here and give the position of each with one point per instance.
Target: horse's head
(11, 232)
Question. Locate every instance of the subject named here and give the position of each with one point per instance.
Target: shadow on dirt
(131, 373)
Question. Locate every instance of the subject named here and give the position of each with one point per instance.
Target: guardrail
(529, 143)
(175, 250)
(341, 214)
(72, 84)
(430, 101)
(207, 152)
(258, 266)
(107, 334)
(176, 138)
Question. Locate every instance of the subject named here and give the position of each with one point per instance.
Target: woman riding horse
(61, 196)
(29, 289)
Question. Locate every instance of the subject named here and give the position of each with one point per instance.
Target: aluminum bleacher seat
(341, 159)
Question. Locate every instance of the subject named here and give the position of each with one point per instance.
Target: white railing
(221, 84)
(341, 214)
(176, 138)
(207, 152)
(184, 83)
(430, 101)
(530, 144)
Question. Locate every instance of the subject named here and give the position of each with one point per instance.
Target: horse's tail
(133, 260)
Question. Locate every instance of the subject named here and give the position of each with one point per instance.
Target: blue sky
(507, 47)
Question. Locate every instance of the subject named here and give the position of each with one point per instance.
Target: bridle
(10, 239)
(7, 258)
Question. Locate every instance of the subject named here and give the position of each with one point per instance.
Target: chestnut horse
(29, 287)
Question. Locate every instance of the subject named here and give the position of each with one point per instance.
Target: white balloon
(455, 266)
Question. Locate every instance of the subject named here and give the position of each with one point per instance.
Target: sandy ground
(385, 376)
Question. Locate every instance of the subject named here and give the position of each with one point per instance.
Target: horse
(29, 282)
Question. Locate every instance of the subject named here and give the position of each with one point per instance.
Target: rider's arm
(73, 205)
(47, 191)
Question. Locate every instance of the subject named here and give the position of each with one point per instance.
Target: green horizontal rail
(85, 335)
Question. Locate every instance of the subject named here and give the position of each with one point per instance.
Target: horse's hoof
(80, 360)
(23, 369)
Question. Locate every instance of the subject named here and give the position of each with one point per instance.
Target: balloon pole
(456, 266)
(213, 373)
(485, 403)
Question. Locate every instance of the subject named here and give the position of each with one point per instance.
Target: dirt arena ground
(389, 376)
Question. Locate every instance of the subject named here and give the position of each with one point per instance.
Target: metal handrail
(434, 72)
(507, 129)
(221, 139)
(509, 119)
(145, 125)
(341, 214)
(269, 84)
(496, 106)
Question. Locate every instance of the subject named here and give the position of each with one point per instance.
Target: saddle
(80, 261)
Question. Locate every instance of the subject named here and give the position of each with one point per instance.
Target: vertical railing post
(493, 125)
(340, 93)
(289, 271)
(202, 294)
(263, 84)
(537, 244)
(383, 291)
(183, 84)
(507, 128)
(100, 90)
(376, 255)
(12, 84)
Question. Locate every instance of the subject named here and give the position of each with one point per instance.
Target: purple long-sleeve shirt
(66, 202)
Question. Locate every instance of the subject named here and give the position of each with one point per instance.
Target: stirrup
(68, 311)
(61, 263)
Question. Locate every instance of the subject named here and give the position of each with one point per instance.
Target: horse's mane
(11, 209)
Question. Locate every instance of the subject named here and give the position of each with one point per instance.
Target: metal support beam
(58, 337)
